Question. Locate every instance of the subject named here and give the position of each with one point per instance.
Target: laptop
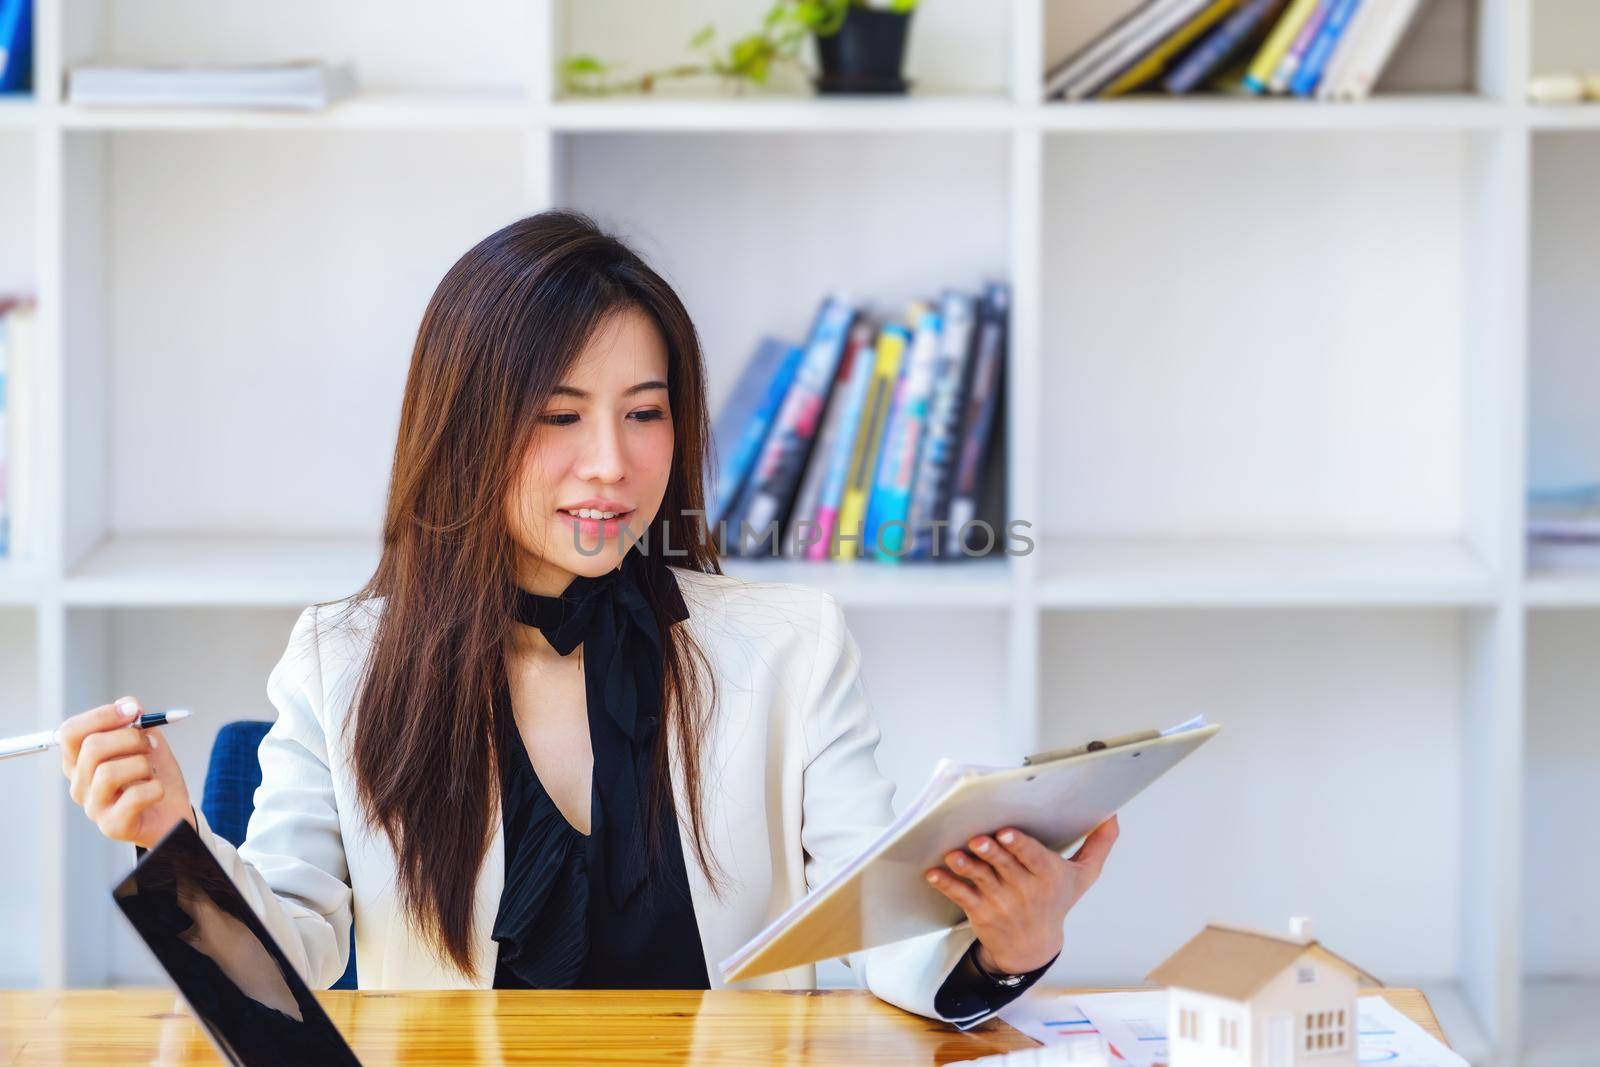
(242, 988)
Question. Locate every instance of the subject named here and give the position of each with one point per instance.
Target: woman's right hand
(126, 780)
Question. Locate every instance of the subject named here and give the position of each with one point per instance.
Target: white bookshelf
(1268, 408)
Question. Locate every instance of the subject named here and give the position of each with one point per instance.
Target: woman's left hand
(1017, 892)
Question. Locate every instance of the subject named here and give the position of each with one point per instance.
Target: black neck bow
(611, 617)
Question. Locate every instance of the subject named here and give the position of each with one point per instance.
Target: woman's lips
(608, 527)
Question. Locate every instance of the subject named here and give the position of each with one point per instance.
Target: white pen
(48, 739)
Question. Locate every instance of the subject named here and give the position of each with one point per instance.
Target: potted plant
(861, 46)
(864, 47)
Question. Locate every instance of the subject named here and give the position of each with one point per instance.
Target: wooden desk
(547, 1026)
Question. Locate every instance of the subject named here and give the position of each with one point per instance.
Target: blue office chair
(230, 792)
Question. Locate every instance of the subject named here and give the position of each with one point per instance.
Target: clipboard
(881, 896)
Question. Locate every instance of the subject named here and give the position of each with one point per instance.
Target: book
(1292, 59)
(16, 46)
(887, 512)
(744, 420)
(930, 497)
(1218, 46)
(1350, 42)
(1388, 29)
(889, 353)
(765, 503)
(1316, 57)
(1155, 61)
(1061, 77)
(1277, 45)
(982, 404)
(808, 520)
(302, 84)
(879, 895)
(1155, 26)
(1567, 514)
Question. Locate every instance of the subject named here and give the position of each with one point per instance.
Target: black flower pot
(866, 54)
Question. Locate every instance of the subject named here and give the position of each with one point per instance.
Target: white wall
(474, 45)
(1564, 383)
(1329, 791)
(1219, 364)
(1566, 35)
(263, 328)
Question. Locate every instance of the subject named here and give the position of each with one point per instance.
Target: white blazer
(791, 792)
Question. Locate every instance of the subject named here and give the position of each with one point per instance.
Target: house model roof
(1235, 963)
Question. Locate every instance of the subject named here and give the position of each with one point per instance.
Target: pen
(47, 739)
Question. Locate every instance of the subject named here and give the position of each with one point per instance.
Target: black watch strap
(1005, 981)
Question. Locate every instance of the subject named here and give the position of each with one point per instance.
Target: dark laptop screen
(242, 988)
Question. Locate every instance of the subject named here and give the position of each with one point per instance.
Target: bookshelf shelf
(776, 113)
(973, 582)
(1240, 572)
(221, 571)
(784, 113)
(1555, 589)
(1200, 115)
(1576, 117)
(1341, 319)
(229, 571)
(370, 110)
(17, 112)
(780, 114)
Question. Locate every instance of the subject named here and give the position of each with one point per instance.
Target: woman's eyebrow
(567, 390)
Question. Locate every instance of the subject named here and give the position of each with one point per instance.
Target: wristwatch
(1006, 981)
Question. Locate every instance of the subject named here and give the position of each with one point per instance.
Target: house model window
(1325, 1031)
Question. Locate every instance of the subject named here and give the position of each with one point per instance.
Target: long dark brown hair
(503, 328)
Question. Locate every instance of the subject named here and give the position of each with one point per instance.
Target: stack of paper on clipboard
(881, 896)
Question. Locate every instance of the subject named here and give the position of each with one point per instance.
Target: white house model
(1241, 998)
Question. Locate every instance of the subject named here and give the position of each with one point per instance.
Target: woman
(583, 756)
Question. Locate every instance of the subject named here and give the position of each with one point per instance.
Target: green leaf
(749, 51)
(824, 17)
(575, 66)
(811, 13)
(707, 32)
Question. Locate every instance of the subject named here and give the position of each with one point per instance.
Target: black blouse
(557, 927)
(578, 911)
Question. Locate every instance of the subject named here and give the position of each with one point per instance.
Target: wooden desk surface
(145, 1026)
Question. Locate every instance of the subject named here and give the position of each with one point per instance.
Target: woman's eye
(568, 418)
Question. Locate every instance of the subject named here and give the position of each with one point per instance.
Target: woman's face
(603, 443)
